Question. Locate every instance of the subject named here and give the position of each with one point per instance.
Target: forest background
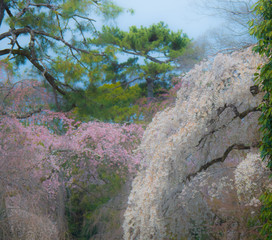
(70, 129)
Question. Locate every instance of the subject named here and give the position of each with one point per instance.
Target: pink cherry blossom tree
(42, 151)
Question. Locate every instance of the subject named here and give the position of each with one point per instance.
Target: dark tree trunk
(5, 230)
(2, 10)
(150, 89)
(56, 100)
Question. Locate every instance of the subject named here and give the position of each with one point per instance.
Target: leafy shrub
(261, 28)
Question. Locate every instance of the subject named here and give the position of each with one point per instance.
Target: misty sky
(178, 14)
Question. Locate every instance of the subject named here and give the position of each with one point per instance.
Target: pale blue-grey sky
(178, 14)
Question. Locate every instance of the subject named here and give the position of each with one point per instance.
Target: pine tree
(52, 36)
(154, 50)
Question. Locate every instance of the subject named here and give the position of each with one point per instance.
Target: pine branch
(52, 81)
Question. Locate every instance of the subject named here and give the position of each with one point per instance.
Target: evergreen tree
(154, 50)
(111, 102)
(52, 36)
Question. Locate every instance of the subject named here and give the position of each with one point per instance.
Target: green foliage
(119, 72)
(154, 50)
(64, 45)
(153, 69)
(52, 36)
(199, 232)
(262, 29)
(150, 54)
(266, 216)
(110, 102)
(110, 10)
(85, 200)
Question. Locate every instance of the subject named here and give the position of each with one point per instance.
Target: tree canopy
(53, 35)
(60, 40)
(43, 152)
(154, 50)
(232, 33)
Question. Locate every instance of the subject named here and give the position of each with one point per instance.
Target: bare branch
(23, 116)
(17, 32)
(42, 33)
(47, 5)
(80, 29)
(2, 10)
(10, 90)
(147, 56)
(83, 17)
(52, 81)
(20, 14)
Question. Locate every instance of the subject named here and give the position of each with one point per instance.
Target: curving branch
(23, 11)
(25, 30)
(153, 59)
(52, 81)
(22, 116)
(47, 5)
(2, 10)
(217, 160)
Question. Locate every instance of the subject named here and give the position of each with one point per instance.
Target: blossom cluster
(45, 144)
(43, 153)
(85, 146)
(192, 149)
